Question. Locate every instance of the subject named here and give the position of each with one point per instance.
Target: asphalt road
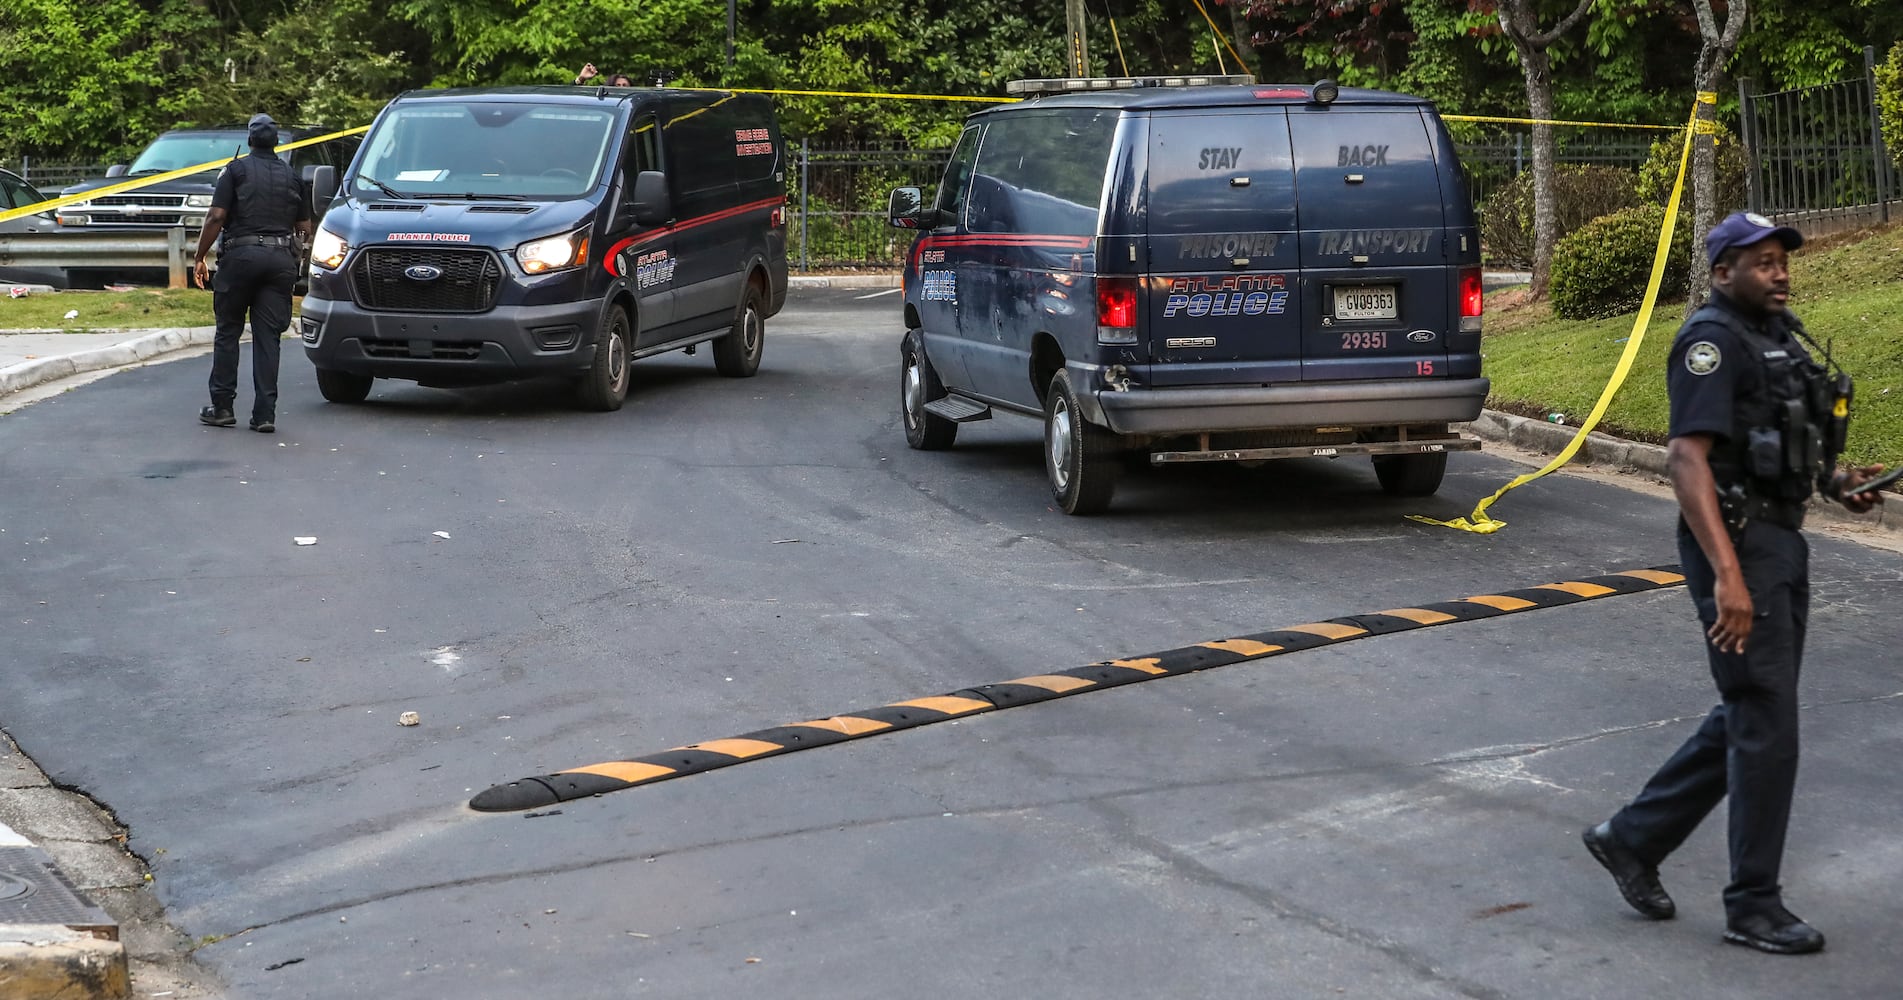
(1396, 816)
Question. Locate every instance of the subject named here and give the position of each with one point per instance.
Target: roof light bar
(1075, 85)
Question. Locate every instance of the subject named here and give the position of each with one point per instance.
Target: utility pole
(1079, 53)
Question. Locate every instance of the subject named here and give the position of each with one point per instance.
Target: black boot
(217, 416)
(1638, 882)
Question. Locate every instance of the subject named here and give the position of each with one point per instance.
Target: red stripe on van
(1001, 240)
(612, 259)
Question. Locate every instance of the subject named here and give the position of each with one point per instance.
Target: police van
(1194, 270)
(489, 234)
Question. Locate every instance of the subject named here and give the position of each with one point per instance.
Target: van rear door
(1377, 295)
(1222, 249)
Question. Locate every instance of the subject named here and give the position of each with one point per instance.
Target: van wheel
(918, 385)
(604, 385)
(737, 355)
(343, 387)
(1080, 457)
(1410, 475)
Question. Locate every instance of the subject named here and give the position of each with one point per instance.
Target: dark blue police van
(1198, 269)
(489, 234)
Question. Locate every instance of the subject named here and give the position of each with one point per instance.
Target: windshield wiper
(473, 196)
(385, 188)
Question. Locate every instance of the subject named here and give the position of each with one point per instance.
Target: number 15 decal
(1423, 368)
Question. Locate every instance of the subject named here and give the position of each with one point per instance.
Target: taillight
(1116, 310)
(1470, 300)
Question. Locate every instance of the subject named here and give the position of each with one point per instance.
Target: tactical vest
(1789, 427)
(266, 196)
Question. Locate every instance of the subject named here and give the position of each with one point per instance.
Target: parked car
(183, 201)
(490, 234)
(15, 192)
(1231, 272)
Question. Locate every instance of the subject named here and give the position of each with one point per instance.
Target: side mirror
(906, 209)
(322, 179)
(651, 204)
(116, 170)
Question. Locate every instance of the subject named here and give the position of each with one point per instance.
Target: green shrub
(1661, 169)
(1601, 268)
(1890, 102)
(1582, 193)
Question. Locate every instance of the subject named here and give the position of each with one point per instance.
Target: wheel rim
(750, 330)
(1060, 444)
(618, 358)
(914, 391)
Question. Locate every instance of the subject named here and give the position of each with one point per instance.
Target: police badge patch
(1702, 358)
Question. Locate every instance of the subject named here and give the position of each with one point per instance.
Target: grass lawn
(138, 309)
(1848, 291)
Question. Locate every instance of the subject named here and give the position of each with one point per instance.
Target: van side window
(1043, 173)
(951, 193)
(644, 145)
(700, 132)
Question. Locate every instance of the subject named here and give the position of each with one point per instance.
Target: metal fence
(1816, 154)
(51, 175)
(1493, 160)
(838, 200)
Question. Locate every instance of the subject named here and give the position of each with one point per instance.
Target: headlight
(198, 201)
(73, 220)
(554, 253)
(328, 250)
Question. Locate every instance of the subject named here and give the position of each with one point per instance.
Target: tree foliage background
(97, 80)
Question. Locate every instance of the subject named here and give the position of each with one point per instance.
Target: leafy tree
(1520, 21)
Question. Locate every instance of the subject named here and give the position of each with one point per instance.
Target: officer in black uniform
(256, 205)
(1756, 425)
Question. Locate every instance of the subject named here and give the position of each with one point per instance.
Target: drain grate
(32, 891)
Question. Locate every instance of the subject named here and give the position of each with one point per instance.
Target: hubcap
(914, 391)
(750, 330)
(617, 358)
(1060, 444)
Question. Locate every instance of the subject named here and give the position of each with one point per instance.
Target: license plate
(1366, 302)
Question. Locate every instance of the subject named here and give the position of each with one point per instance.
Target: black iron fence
(1816, 154)
(49, 176)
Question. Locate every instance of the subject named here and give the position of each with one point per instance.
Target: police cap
(1741, 229)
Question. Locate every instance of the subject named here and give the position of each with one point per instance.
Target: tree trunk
(1537, 68)
(1239, 27)
(1719, 42)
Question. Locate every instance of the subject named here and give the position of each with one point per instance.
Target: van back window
(1042, 173)
(1360, 168)
(1221, 172)
(487, 149)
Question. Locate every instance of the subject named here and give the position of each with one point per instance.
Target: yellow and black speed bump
(595, 779)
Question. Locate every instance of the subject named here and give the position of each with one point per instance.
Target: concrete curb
(39, 371)
(891, 280)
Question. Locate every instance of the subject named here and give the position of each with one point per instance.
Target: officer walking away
(256, 206)
(1756, 425)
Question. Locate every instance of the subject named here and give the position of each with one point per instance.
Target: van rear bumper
(508, 342)
(1297, 405)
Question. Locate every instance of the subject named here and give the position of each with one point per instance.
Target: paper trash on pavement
(304, 539)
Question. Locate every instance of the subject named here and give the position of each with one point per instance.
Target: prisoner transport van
(1199, 269)
(482, 235)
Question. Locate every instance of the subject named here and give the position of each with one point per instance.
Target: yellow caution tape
(133, 185)
(1552, 121)
(1478, 522)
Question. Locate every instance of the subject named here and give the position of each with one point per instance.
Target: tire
(1081, 458)
(605, 385)
(737, 355)
(343, 387)
(918, 385)
(1410, 475)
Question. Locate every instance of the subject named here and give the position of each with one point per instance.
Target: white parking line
(875, 295)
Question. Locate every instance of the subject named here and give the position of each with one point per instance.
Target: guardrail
(169, 249)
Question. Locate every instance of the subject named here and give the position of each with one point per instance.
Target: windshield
(481, 149)
(171, 152)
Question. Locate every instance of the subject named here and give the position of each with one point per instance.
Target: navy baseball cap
(1741, 229)
(262, 128)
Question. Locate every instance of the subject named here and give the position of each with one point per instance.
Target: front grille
(468, 283)
(151, 200)
(121, 219)
(438, 350)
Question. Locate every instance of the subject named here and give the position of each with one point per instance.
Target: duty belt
(260, 241)
(1786, 513)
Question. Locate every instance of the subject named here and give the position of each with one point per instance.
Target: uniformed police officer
(1756, 424)
(256, 206)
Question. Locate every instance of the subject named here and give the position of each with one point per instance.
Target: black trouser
(1747, 746)
(255, 280)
